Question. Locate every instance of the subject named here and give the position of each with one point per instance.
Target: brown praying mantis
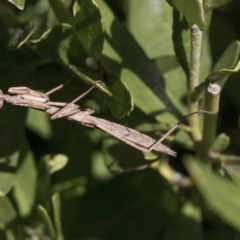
(23, 96)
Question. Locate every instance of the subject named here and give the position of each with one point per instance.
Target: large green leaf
(154, 34)
(143, 197)
(150, 22)
(89, 28)
(221, 194)
(123, 57)
(7, 211)
(25, 183)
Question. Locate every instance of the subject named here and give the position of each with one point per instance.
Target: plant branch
(194, 70)
(212, 96)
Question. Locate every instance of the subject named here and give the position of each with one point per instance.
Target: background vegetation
(60, 180)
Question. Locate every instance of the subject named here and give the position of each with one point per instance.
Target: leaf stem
(194, 70)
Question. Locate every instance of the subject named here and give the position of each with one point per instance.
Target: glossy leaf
(89, 28)
(18, 3)
(192, 11)
(222, 200)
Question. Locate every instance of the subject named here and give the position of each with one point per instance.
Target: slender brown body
(30, 98)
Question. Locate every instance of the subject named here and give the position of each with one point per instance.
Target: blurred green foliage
(60, 180)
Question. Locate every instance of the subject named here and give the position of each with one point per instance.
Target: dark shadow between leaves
(134, 205)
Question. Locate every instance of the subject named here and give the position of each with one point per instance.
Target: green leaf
(60, 44)
(221, 143)
(47, 220)
(181, 40)
(221, 75)
(55, 163)
(211, 4)
(7, 175)
(57, 216)
(145, 198)
(89, 28)
(223, 200)
(150, 22)
(18, 3)
(10, 234)
(183, 139)
(47, 166)
(122, 56)
(62, 13)
(71, 188)
(229, 57)
(192, 11)
(120, 103)
(188, 225)
(78, 73)
(154, 34)
(21, 35)
(42, 127)
(120, 157)
(7, 211)
(25, 184)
